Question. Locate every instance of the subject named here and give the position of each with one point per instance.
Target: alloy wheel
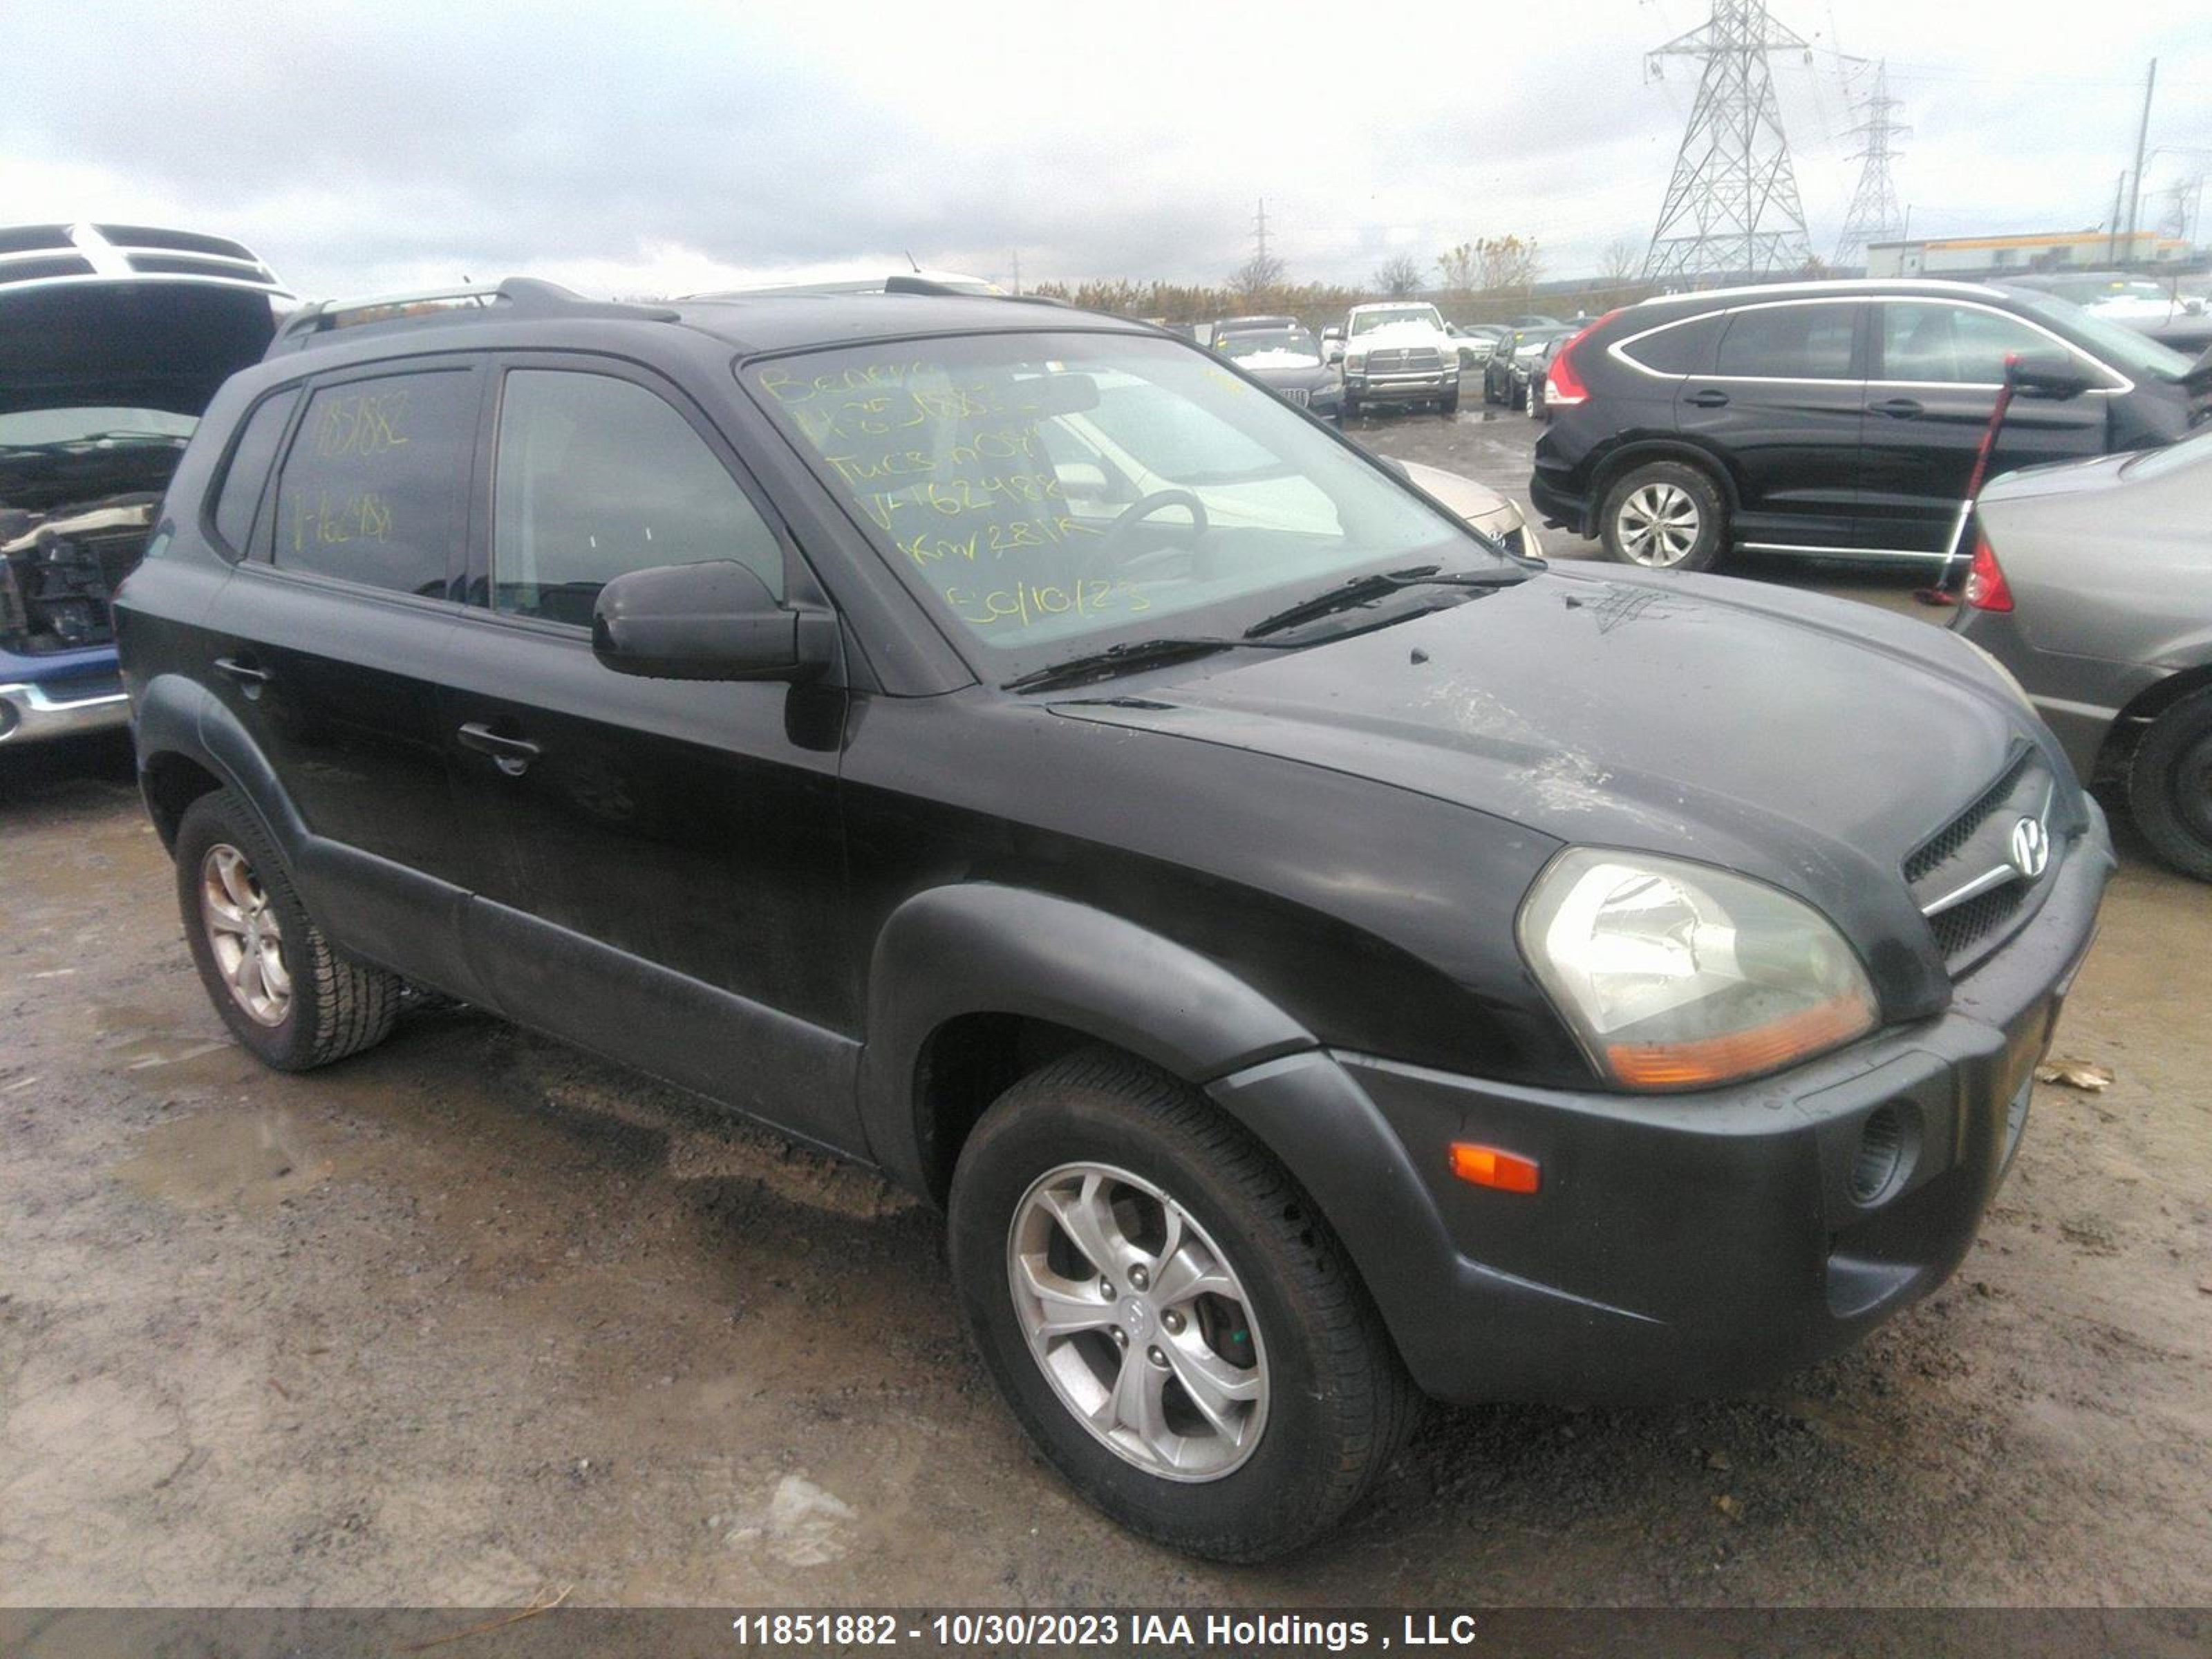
(245, 936)
(1139, 1322)
(1658, 525)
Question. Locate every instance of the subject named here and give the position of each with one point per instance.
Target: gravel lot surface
(473, 1318)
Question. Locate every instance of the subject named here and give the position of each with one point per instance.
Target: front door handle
(1902, 409)
(1711, 397)
(245, 672)
(514, 755)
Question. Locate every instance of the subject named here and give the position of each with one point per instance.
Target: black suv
(1840, 419)
(1316, 956)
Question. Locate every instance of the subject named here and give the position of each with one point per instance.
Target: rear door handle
(1903, 409)
(245, 672)
(1711, 397)
(514, 755)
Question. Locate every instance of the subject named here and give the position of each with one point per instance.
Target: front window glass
(2120, 346)
(1050, 494)
(1791, 343)
(1366, 322)
(1957, 344)
(597, 477)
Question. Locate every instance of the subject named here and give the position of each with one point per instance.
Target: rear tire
(2170, 786)
(1664, 515)
(1173, 1193)
(287, 994)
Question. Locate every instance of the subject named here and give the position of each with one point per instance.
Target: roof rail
(518, 296)
(923, 285)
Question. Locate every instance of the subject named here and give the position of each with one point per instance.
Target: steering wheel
(1137, 511)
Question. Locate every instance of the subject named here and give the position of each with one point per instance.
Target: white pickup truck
(1396, 351)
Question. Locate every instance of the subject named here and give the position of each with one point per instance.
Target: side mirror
(2040, 376)
(706, 622)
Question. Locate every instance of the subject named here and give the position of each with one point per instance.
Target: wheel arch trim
(179, 716)
(986, 948)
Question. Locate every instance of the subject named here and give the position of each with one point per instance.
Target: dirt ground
(473, 1318)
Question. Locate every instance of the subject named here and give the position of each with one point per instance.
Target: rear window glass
(1685, 349)
(249, 468)
(372, 489)
(1797, 343)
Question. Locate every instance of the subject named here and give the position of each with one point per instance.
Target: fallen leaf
(2076, 1074)
(1719, 1460)
(1731, 1505)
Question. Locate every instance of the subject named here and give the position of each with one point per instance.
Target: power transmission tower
(1875, 216)
(1260, 232)
(1732, 206)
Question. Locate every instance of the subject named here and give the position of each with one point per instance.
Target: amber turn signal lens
(1485, 1166)
(1739, 1054)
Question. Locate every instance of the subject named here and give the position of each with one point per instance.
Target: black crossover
(1838, 418)
(1315, 956)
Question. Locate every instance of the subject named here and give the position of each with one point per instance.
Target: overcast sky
(659, 147)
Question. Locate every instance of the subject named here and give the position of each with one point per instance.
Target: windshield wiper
(1365, 590)
(1118, 658)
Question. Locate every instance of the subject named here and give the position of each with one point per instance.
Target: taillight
(1985, 581)
(1562, 387)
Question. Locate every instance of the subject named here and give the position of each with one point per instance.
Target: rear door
(1939, 366)
(328, 642)
(1781, 405)
(665, 877)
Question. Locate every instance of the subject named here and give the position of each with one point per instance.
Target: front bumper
(1681, 1245)
(1400, 388)
(60, 696)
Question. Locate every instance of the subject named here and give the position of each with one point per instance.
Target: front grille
(1298, 395)
(1965, 878)
(1405, 359)
(1960, 928)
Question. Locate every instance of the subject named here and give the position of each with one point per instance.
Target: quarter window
(372, 489)
(598, 477)
(1955, 344)
(1684, 348)
(249, 470)
(1789, 343)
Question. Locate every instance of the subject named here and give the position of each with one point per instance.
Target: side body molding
(980, 947)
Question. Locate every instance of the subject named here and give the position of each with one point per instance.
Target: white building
(1992, 256)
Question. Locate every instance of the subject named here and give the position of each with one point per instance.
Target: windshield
(2088, 290)
(2117, 344)
(1366, 322)
(1047, 495)
(1290, 347)
(33, 429)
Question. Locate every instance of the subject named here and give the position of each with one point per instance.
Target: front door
(1939, 366)
(666, 878)
(1782, 404)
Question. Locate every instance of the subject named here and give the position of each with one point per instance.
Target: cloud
(660, 145)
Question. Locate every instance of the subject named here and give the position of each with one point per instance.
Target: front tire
(1219, 1381)
(287, 994)
(1448, 404)
(1664, 515)
(2170, 786)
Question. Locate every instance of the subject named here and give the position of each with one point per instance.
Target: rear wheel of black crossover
(1664, 515)
(1166, 1314)
(284, 989)
(2170, 786)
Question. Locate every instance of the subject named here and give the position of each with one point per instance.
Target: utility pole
(1732, 204)
(1260, 233)
(1874, 216)
(2142, 137)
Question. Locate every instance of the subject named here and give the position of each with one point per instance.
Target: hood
(1812, 743)
(164, 344)
(1398, 334)
(1478, 503)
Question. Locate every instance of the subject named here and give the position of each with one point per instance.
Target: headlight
(1678, 975)
(1355, 362)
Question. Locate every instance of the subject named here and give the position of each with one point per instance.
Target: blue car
(114, 339)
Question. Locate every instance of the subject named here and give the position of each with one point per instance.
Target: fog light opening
(1881, 1158)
